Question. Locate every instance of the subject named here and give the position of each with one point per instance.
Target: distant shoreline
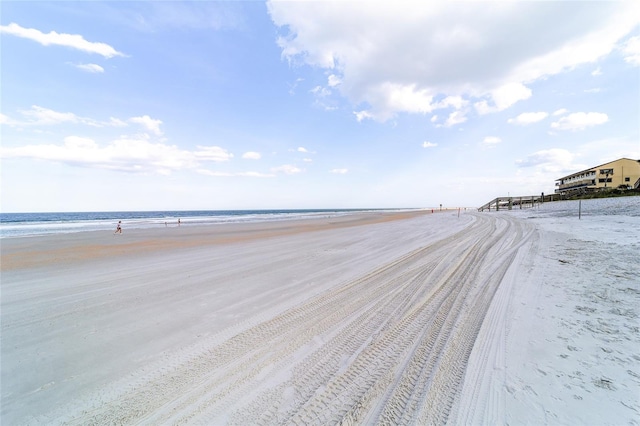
(39, 250)
(36, 224)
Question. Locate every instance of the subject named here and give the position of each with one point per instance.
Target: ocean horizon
(43, 223)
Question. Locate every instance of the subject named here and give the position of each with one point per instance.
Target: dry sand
(380, 318)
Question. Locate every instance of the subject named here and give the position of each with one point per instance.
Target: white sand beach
(519, 317)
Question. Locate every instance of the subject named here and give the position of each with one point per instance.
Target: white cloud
(148, 123)
(554, 160)
(491, 140)
(128, 154)
(212, 153)
(561, 111)
(213, 173)
(528, 118)
(304, 150)
(597, 72)
(77, 142)
(509, 94)
(389, 98)
(92, 68)
(399, 59)
(44, 116)
(39, 116)
(404, 97)
(426, 144)
(456, 117)
(503, 97)
(456, 102)
(251, 155)
(631, 50)
(339, 171)
(333, 80)
(363, 115)
(60, 39)
(255, 174)
(320, 91)
(116, 122)
(580, 121)
(307, 160)
(287, 169)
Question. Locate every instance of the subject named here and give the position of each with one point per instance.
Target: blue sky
(309, 104)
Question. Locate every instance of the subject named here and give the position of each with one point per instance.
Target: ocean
(32, 224)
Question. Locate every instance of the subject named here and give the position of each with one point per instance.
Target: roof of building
(596, 167)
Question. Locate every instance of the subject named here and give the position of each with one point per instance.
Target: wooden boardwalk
(524, 201)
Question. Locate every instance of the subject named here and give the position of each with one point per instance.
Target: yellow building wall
(623, 168)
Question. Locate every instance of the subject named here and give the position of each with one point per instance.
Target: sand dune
(412, 318)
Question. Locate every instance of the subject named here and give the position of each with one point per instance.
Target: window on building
(627, 179)
(606, 171)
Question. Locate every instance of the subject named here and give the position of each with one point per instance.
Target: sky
(124, 106)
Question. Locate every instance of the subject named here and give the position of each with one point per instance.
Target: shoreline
(34, 251)
(15, 225)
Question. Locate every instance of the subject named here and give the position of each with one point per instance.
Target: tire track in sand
(390, 347)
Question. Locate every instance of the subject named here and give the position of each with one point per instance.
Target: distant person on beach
(118, 228)
(178, 221)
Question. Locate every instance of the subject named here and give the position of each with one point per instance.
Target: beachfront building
(623, 172)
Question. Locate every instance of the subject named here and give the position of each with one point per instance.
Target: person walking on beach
(118, 228)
